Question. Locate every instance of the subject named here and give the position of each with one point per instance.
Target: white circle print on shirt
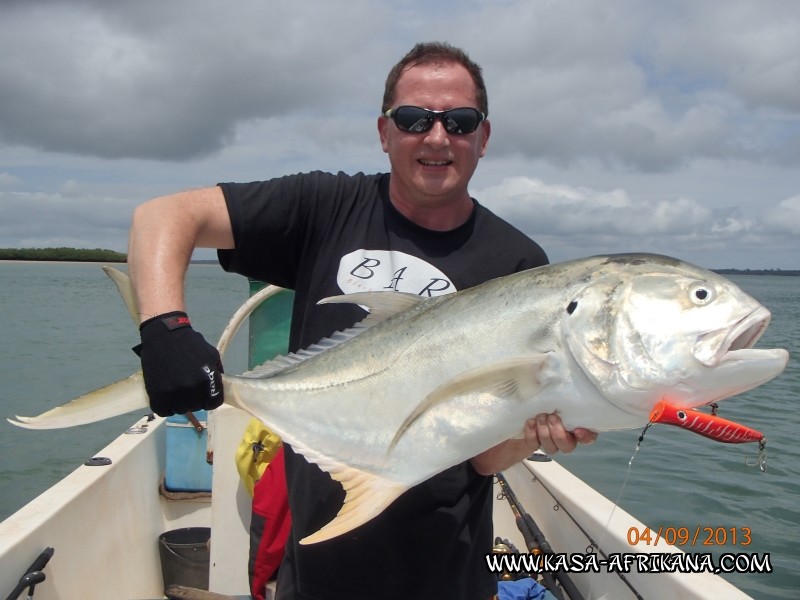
(389, 270)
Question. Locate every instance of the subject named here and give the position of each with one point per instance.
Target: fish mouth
(730, 343)
(732, 365)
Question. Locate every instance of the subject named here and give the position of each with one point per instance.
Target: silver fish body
(598, 341)
(426, 384)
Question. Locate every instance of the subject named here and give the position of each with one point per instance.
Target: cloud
(143, 80)
(785, 217)
(616, 126)
(751, 50)
(623, 83)
(576, 221)
(76, 215)
(565, 210)
(7, 180)
(649, 86)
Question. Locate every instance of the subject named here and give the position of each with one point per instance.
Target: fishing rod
(536, 543)
(593, 545)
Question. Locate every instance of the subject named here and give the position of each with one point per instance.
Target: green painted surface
(269, 326)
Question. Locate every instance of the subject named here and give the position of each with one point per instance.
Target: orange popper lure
(711, 426)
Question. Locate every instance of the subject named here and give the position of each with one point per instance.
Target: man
(414, 230)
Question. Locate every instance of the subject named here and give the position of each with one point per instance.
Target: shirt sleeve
(271, 223)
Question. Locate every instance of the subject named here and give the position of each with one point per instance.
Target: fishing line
(619, 497)
(625, 481)
(593, 545)
(740, 434)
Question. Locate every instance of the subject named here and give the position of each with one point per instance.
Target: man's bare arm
(164, 233)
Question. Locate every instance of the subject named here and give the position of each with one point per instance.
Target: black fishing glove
(182, 372)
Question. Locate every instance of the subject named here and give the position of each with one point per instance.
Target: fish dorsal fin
(366, 496)
(283, 362)
(518, 377)
(381, 305)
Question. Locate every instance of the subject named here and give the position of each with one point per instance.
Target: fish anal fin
(513, 377)
(367, 495)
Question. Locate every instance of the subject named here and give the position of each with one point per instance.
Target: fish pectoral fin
(512, 377)
(381, 305)
(367, 495)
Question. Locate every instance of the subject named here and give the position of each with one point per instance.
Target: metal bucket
(185, 557)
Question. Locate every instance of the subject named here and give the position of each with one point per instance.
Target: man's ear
(487, 130)
(383, 126)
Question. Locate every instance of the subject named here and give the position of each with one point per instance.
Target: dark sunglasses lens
(413, 119)
(461, 120)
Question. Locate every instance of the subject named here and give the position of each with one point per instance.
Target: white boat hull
(556, 499)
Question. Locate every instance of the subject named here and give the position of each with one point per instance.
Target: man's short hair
(426, 53)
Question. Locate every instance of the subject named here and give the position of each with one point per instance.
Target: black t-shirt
(323, 235)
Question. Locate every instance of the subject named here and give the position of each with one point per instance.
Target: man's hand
(543, 431)
(547, 432)
(182, 372)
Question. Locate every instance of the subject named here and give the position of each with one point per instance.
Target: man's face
(433, 168)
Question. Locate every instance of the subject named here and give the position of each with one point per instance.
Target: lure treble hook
(761, 459)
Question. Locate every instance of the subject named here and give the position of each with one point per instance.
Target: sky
(668, 126)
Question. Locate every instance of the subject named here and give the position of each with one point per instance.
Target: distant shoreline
(90, 262)
(63, 254)
(73, 255)
(777, 272)
(99, 255)
(786, 272)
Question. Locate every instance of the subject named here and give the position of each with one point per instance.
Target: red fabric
(270, 502)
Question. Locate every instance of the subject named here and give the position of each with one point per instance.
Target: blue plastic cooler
(187, 469)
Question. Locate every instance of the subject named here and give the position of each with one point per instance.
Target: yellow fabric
(258, 447)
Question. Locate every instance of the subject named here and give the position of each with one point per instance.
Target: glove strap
(171, 320)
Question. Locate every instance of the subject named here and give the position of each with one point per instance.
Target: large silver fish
(424, 384)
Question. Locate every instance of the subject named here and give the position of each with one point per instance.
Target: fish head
(647, 328)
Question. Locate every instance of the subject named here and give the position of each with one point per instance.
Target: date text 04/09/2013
(692, 536)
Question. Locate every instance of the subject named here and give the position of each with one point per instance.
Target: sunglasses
(415, 119)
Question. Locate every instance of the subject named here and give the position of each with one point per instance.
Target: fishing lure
(711, 426)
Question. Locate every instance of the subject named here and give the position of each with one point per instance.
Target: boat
(104, 520)
(101, 531)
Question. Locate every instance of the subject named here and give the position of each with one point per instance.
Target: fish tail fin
(106, 402)
(367, 495)
(129, 394)
(125, 289)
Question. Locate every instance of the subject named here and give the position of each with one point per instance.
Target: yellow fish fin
(367, 495)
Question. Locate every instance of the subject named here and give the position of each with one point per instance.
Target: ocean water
(64, 331)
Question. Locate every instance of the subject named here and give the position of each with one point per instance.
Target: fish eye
(681, 415)
(701, 295)
(572, 306)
